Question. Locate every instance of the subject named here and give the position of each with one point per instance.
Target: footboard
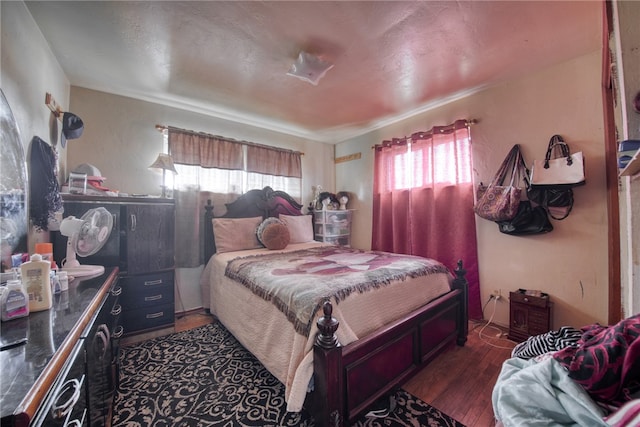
(349, 379)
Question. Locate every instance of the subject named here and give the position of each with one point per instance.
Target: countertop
(29, 368)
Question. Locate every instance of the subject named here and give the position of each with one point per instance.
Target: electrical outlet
(497, 294)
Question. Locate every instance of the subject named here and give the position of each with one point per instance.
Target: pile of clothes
(572, 377)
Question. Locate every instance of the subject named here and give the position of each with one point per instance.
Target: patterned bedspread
(299, 282)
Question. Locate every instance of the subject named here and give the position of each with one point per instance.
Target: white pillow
(300, 227)
(236, 234)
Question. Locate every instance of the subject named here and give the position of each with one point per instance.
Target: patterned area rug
(204, 377)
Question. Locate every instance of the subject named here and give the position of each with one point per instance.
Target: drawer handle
(153, 298)
(101, 341)
(116, 291)
(153, 282)
(60, 410)
(526, 299)
(116, 310)
(117, 332)
(74, 423)
(155, 315)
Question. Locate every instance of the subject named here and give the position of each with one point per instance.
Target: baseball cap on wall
(72, 127)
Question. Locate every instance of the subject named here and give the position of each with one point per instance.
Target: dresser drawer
(147, 290)
(148, 317)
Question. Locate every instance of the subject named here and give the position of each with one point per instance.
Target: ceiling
(229, 59)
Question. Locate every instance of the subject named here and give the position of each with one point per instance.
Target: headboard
(265, 203)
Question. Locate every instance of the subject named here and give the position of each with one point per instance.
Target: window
(425, 162)
(223, 180)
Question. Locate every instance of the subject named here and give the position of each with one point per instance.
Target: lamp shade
(165, 162)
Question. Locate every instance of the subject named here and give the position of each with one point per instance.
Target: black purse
(529, 220)
(558, 202)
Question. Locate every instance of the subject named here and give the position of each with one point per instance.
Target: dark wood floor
(458, 383)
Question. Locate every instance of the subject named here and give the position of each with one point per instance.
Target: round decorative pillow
(275, 236)
(264, 224)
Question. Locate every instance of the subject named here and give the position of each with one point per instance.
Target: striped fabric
(551, 341)
(627, 416)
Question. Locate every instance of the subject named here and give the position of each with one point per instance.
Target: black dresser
(142, 246)
(67, 369)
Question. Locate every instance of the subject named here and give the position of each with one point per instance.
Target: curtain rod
(468, 123)
(164, 128)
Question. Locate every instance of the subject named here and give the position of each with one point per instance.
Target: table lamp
(164, 162)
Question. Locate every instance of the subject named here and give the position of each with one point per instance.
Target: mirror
(13, 188)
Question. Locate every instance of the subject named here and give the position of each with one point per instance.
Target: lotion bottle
(14, 301)
(36, 281)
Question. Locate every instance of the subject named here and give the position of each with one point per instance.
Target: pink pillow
(236, 234)
(300, 227)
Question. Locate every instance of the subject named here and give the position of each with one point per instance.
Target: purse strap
(557, 143)
(520, 169)
(509, 164)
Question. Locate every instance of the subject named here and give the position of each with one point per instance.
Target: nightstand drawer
(147, 290)
(148, 317)
(523, 298)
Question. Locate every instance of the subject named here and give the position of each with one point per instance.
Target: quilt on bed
(299, 282)
(265, 331)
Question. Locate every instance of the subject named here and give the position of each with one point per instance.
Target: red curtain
(423, 200)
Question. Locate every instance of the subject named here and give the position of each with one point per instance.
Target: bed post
(460, 282)
(209, 243)
(328, 401)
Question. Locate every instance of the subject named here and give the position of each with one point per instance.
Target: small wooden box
(529, 314)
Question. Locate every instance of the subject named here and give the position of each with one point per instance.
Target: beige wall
(29, 70)
(571, 262)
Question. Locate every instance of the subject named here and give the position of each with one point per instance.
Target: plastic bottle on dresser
(46, 250)
(63, 277)
(14, 301)
(36, 281)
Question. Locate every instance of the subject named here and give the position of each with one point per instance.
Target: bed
(349, 342)
(573, 377)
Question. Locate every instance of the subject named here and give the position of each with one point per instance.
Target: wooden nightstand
(529, 315)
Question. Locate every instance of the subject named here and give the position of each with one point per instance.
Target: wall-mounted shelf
(633, 167)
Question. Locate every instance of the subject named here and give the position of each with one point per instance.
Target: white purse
(564, 171)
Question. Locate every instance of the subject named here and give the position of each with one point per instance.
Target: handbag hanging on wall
(499, 202)
(563, 171)
(558, 202)
(557, 199)
(529, 220)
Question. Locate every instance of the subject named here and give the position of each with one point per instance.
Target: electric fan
(86, 236)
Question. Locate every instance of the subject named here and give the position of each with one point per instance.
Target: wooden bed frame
(348, 379)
